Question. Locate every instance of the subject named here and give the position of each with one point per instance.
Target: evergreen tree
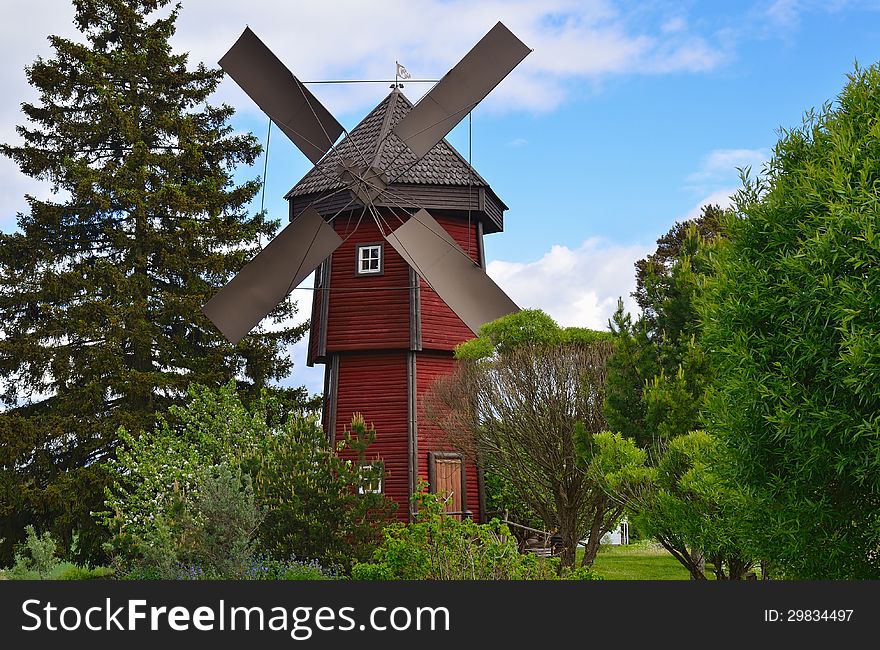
(632, 365)
(100, 292)
(658, 375)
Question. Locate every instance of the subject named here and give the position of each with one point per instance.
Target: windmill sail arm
(440, 261)
(273, 273)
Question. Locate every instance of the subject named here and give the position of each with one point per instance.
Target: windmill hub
(365, 182)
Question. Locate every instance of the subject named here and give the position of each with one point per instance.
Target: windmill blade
(461, 284)
(271, 275)
(462, 88)
(282, 96)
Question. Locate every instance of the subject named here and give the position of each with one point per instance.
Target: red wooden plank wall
(429, 366)
(376, 385)
(366, 312)
(441, 328)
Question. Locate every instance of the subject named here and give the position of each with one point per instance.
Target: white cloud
(721, 198)
(573, 41)
(720, 164)
(586, 281)
(784, 13)
(717, 177)
(673, 25)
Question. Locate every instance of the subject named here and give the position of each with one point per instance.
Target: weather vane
(400, 73)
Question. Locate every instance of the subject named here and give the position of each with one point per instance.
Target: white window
(372, 478)
(369, 259)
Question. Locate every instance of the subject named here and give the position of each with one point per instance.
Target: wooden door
(447, 480)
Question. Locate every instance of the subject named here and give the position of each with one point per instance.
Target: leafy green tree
(225, 484)
(100, 288)
(524, 392)
(665, 299)
(684, 502)
(790, 321)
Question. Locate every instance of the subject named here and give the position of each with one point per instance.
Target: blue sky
(626, 118)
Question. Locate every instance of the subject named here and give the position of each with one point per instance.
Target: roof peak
(373, 143)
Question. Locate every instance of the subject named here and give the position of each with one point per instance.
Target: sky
(625, 118)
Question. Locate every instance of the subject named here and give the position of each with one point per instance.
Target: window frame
(362, 490)
(358, 271)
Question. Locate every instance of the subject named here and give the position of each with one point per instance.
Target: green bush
(76, 572)
(582, 573)
(209, 533)
(315, 506)
(203, 498)
(35, 557)
(791, 325)
(441, 547)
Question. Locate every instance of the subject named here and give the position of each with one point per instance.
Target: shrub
(441, 547)
(203, 498)
(791, 325)
(76, 572)
(315, 508)
(582, 573)
(35, 557)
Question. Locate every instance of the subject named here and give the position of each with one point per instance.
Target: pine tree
(100, 291)
(659, 374)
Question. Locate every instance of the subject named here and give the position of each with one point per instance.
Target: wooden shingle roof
(372, 142)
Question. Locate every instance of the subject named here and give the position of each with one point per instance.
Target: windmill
(356, 192)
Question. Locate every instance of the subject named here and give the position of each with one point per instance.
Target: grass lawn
(639, 561)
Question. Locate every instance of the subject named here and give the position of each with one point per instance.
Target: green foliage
(529, 327)
(791, 325)
(101, 286)
(157, 470)
(664, 294)
(659, 375)
(441, 547)
(304, 571)
(613, 455)
(211, 529)
(35, 556)
(632, 365)
(75, 572)
(675, 400)
(225, 518)
(318, 502)
(685, 503)
(206, 496)
(582, 573)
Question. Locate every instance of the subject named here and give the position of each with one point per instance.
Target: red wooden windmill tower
(396, 287)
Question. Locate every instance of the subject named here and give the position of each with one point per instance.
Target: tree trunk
(698, 561)
(595, 536)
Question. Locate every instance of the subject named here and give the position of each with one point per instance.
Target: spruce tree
(100, 290)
